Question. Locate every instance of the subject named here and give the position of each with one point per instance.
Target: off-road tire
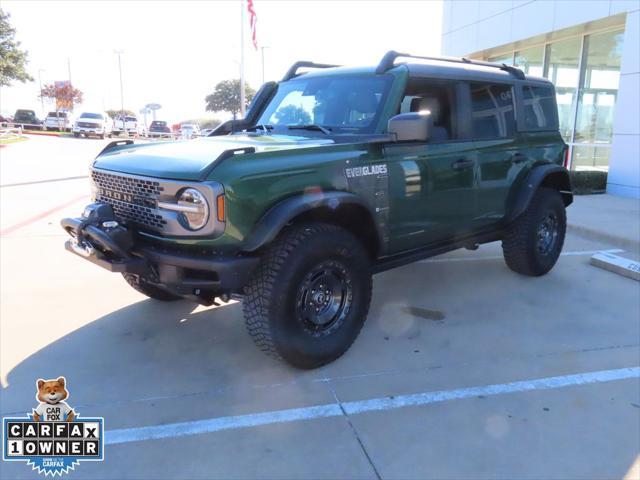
(519, 245)
(271, 300)
(141, 285)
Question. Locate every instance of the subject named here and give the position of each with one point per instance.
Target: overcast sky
(176, 51)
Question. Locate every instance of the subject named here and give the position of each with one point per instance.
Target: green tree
(292, 114)
(65, 95)
(115, 113)
(226, 97)
(13, 61)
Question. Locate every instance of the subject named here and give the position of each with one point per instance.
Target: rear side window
(539, 108)
(492, 110)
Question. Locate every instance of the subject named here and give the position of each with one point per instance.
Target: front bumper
(89, 130)
(199, 276)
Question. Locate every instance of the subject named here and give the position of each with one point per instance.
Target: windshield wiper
(311, 126)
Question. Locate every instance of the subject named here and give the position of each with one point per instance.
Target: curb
(599, 235)
(44, 134)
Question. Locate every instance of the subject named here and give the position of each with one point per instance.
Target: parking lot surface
(533, 377)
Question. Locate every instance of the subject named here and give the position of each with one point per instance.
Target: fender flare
(555, 175)
(278, 216)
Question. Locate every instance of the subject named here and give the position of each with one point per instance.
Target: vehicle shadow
(148, 349)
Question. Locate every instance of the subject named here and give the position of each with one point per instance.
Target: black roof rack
(293, 71)
(390, 57)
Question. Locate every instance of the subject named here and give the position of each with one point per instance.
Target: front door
(431, 192)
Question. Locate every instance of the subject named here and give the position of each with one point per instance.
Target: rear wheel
(152, 291)
(534, 241)
(310, 296)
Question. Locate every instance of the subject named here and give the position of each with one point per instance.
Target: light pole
(262, 49)
(242, 7)
(119, 53)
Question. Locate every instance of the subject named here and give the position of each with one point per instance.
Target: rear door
(502, 152)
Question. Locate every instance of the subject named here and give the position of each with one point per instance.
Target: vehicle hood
(191, 159)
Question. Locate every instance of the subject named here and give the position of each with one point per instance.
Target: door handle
(462, 163)
(518, 158)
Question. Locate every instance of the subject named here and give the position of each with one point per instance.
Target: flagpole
(242, 100)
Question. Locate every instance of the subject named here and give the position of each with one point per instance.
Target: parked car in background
(91, 123)
(189, 130)
(159, 128)
(128, 124)
(62, 121)
(28, 119)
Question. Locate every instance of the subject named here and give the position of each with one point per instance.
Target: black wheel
(76, 134)
(534, 241)
(101, 136)
(310, 296)
(141, 285)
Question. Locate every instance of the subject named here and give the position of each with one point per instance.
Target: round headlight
(195, 213)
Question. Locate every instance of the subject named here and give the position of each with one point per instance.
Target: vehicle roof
(432, 68)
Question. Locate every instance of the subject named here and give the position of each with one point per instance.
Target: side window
(492, 110)
(439, 99)
(539, 108)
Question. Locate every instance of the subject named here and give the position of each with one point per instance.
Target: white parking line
(499, 257)
(210, 425)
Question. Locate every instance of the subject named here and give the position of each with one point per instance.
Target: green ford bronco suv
(333, 175)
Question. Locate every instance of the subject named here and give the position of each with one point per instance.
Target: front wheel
(534, 241)
(308, 299)
(141, 285)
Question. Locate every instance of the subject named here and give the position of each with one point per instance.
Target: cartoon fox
(52, 407)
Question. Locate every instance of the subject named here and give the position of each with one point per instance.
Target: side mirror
(414, 126)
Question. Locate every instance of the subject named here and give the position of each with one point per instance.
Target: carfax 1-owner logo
(53, 439)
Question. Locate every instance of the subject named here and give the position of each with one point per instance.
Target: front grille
(88, 125)
(141, 195)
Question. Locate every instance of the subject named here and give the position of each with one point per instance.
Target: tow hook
(83, 249)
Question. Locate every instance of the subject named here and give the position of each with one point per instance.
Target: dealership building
(591, 52)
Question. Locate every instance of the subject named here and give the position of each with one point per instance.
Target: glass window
(439, 98)
(540, 111)
(530, 60)
(599, 87)
(341, 103)
(563, 71)
(590, 158)
(507, 58)
(492, 110)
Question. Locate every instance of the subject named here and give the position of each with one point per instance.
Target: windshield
(158, 123)
(342, 104)
(95, 116)
(25, 113)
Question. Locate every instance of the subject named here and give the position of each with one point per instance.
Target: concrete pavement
(607, 218)
(458, 321)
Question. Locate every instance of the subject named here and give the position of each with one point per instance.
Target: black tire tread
(260, 289)
(516, 242)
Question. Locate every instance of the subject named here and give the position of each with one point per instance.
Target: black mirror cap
(413, 126)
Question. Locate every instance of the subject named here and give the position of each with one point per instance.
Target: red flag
(253, 18)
